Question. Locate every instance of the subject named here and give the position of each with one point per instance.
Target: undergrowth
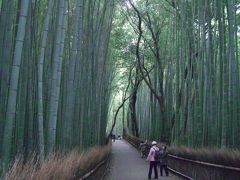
(57, 166)
(225, 157)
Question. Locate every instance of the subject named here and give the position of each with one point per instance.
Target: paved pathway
(126, 164)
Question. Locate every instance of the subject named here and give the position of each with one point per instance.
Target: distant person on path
(153, 162)
(142, 148)
(119, 137)
(163, 160)
(113, 137)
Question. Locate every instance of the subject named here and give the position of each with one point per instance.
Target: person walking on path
(163, 160)
(142, 148)
(151, 158)
(113, 137)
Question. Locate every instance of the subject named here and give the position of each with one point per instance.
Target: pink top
(151, 153)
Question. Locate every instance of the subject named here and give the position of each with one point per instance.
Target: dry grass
(58, 167)
(216, 156)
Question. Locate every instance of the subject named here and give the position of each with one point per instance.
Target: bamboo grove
(55, 75)
(186, 70)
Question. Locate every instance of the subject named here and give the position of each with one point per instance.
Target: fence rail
(206, 164)
(94, 170)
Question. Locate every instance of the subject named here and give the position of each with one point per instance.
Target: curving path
(126, 164)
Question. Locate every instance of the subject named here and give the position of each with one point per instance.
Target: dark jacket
(163, 157)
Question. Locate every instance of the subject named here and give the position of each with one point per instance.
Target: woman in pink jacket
(151, 159)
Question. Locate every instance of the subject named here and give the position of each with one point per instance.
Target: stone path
(126, 164)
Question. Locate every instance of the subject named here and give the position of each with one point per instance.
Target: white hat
(154, 143)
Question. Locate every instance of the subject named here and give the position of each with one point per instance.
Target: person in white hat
(152, 162)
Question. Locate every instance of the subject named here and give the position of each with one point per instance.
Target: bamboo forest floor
(126, 164)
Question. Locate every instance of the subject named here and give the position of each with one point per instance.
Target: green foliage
(198, 65)
(61, 82)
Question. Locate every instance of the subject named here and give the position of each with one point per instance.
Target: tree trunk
(56, 78)
(40, 81)
(12, 94)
